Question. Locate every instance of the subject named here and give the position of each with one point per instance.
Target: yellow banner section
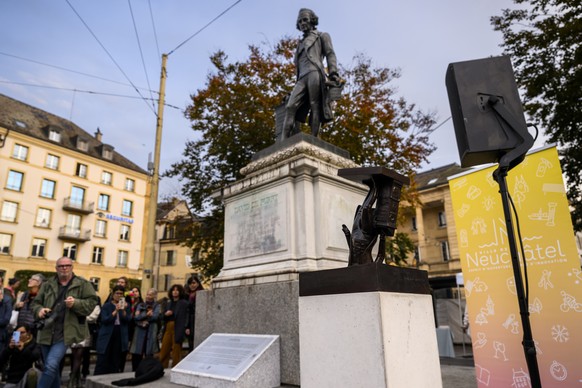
(553, 273)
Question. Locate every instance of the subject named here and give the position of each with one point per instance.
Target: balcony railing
(74, 234)
(78, 206)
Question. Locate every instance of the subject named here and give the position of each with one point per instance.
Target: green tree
(398, 248)
(233, 117)
(544, 40)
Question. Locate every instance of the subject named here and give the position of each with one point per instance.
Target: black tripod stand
(506, 163)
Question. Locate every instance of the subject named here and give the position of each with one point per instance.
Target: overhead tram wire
(154, 28)
(206, 26)
(81, 91)
(72, 71)
(140, 51)
(110, 56)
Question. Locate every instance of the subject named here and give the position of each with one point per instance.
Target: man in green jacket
(63, 302)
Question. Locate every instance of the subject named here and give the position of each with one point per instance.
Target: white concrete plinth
(370, 339)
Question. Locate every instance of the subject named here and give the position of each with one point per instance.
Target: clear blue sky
(420, 37)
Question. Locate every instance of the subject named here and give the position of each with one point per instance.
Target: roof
(437, 176)
(19, 117)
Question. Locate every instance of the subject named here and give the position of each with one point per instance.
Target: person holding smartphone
(113, 340)
(20, 355)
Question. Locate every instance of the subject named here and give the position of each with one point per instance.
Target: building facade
(66, 193)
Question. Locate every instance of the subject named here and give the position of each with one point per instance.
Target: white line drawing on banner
(459, 184)
(473, 193)
(543, 167)
(558, 371)
(545, 281)
(521, 379)
(560, 333)
(490, 306)
(481, 317)
(553, 188)
(570, 303)
(511, 324)
(576, 272)
(549, 216)
(536, 306)
(478, 226)
(489, 203)
(463, 236)
(520, 188)
(476, 285)
(480, 341)
(510, 283)
(462, 212)
(483, 375)
(538, 349)
(499, 348)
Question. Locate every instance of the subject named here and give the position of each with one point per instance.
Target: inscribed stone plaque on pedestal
(237, 360)
(256, 225)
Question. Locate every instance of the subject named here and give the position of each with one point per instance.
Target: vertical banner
(553, 272)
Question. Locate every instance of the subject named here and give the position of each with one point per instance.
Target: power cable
(110, 56)
(71, 71)
(206, 26)
(155, 32)
(81, 91)
(140, 51)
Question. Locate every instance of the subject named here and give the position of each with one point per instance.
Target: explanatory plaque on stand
(226, 356)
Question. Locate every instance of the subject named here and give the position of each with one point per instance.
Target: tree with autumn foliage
(233, 117)
(544, 40)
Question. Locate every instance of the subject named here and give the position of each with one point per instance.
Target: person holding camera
(20, 355)
(61, 305)
(145, 339)
(113, 340)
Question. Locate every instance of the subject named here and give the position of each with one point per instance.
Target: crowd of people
(63, 314)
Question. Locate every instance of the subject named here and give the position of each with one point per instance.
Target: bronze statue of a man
(310, 94)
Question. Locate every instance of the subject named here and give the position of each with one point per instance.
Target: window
(38, 247)
(52, 162)
(107, 153)
(81, 170)
(54, 135)
(82, 144)
(70, 250)
(98, 255)
(47, 189)
(442, 219)
(169, 232)
(9, 211)
(5, 242)
(20, 152)
(43, 217)
(77, 196)
(167, 282)
(73, 226)
(100, 228)
(417, 258)
(106, 178)
(170, 257)
(445, 250)
(126, 208)
(414, 227)
(95, 282)
(122, 258)
(129, 184)
(124, 232)
(14, 181)
(103, 203)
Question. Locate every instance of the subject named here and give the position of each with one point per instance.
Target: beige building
(64, 192)
(173, 264)
(432, 226)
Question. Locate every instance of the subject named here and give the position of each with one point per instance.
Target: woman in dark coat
(192, 287)
(113, 341)
(145, 337)
(176, 321)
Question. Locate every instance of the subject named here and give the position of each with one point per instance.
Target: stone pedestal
(372, 326)
(284, 218)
